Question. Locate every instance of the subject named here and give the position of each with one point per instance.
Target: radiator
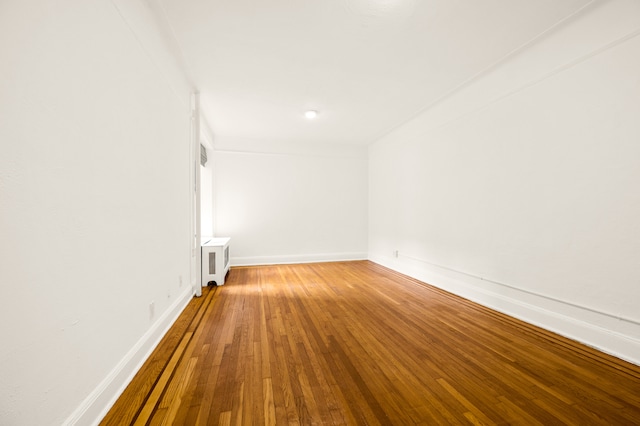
(216, 260)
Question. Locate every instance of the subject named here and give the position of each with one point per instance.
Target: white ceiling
(367, 66)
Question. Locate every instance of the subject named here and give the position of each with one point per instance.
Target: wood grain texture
(355, 343)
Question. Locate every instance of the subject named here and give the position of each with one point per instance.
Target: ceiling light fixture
(311, 114)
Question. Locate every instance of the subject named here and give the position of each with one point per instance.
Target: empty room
(336, 212)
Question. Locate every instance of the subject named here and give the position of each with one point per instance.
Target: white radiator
(216, 260)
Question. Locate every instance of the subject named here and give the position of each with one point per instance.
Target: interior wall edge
(584, 326)
(239, 146)
(96, 405)
(297, 258)
(155, 40)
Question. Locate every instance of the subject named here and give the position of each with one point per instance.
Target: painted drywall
(206, 200)
(95, 203)
(520, 190)
(287, 208)
(206, 183)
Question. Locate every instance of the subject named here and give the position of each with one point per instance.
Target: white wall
(291, 207)
(206, 200)
(520, 191)
(94, 190)
(206, 183)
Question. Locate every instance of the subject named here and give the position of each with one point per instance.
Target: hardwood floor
(355, 343)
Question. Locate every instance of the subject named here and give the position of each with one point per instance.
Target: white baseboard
(607, 333)
(95, 406)
(297, 258)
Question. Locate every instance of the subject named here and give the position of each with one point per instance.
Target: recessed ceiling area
(367, 65)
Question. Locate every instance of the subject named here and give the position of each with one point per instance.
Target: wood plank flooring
(353, 343)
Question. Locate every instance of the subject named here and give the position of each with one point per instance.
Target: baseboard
(609, 334)
(93, 409)
(297, 258)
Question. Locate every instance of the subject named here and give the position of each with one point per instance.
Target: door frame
(194, 190)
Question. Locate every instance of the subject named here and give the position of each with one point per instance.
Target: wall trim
(613, 336)
(491, 67)
(297, 258)
(96, 405)
(533, 293)
(540, 79)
